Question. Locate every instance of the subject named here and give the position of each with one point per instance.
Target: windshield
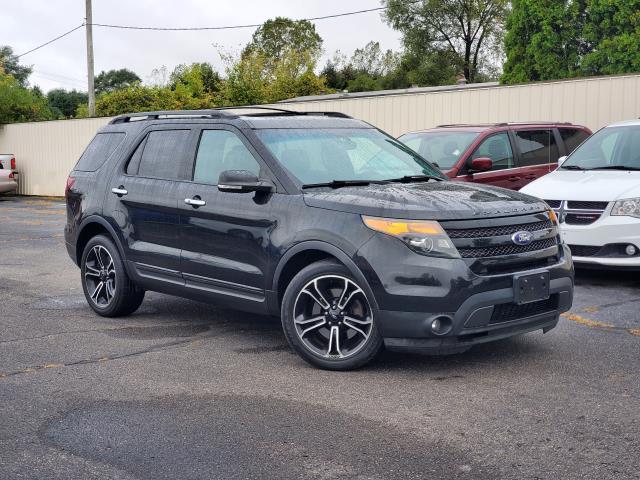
(441, 148)
(612, 147)
(322, 155)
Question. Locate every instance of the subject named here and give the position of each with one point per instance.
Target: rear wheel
(328, 318)
(107, 287)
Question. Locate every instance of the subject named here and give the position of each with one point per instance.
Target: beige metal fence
(46, 151)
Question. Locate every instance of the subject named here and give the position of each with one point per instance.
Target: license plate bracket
(531, 288)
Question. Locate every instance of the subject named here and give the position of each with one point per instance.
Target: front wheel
(107, 287)
(328, 318)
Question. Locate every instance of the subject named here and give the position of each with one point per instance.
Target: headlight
(629, 207)
(422, 236)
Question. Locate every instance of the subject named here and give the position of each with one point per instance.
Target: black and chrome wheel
(105, 282)
(100, 276)
(328, 318)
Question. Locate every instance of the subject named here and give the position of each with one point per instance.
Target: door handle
(195, 202)
(120, 191)
(514, 179)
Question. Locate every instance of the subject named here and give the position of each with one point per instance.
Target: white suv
(596, 195)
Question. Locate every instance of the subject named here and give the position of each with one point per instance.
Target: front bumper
(412, 290)
(606, 230)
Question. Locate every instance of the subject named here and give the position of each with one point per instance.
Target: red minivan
(508, 155)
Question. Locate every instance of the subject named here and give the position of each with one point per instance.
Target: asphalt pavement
(184, 390)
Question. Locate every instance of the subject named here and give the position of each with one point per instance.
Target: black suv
(353, 239)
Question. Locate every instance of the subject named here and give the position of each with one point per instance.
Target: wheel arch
(308, 252)
(89, 228)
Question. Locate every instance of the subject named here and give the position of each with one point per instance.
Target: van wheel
(328, 318)
(107, 287)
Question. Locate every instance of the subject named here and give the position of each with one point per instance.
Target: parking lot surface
(189, 391)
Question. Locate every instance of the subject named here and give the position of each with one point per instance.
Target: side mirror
(561, 160)
(242, 181)
(482, 164)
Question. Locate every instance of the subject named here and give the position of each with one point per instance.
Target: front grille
(498, 231)
(586, 205)
(506, 249)
(506, 312)
(553, 203)
(584, 250)
(581, 218)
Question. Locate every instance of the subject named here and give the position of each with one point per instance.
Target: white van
(596, 195)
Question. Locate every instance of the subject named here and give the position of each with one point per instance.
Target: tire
(101, 264)
(349, 337)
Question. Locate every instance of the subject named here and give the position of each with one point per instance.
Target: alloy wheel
(100, 276)
(332, 317)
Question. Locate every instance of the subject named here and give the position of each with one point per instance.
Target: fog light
(630, 250)
(441, 325)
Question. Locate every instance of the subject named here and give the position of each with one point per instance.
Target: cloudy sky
(28, 23)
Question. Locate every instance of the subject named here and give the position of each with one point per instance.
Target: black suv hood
(426, 201)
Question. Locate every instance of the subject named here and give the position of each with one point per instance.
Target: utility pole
(91, 90)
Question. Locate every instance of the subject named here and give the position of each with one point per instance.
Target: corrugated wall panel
(46, 151)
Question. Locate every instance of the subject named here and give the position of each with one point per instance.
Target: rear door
(225, 236)
(537, 153)
(144, 197)
(503, 173)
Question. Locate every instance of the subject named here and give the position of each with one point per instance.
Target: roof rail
(504, 124)
(216, 113)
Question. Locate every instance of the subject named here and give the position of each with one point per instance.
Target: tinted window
(321, 155)
(537, 147)
(441, 148)
(100, 148)
(163, 155)
(134, 162)
(572, 137)
(221, 150)
(498, 149)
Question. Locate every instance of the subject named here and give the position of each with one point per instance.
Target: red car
(508, 155)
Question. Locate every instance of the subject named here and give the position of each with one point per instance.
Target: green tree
(64, 103)
(112, 80)
(10, 64)
(19, 104)
(197, 76)
(468, 32)
(612, 32)
(544, 40)
(279, 36)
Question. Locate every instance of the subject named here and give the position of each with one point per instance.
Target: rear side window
(97, 152)
(572, 137)
(163, 155)
(537, 147)
(221, 150)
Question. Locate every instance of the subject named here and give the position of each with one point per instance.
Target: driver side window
(221, 150)
(498, 148)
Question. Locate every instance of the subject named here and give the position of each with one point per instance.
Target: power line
(51, 41)
(231, 27)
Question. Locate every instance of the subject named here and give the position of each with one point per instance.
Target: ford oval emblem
(522, 238)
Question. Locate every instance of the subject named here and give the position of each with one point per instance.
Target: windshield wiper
(572, 167)
(343, 183)
(415, 178)
(615, 167)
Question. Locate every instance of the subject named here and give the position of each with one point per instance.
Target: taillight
(12, 175)
(69, 186)
(13, 163)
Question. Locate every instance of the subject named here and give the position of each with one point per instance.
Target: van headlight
(422, 236)
(629, 207)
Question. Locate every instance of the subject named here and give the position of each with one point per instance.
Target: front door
(225, 236)
(503, 172)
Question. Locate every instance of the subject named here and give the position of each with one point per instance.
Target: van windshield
(612, 148)
(346, 154)
(441, 148)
